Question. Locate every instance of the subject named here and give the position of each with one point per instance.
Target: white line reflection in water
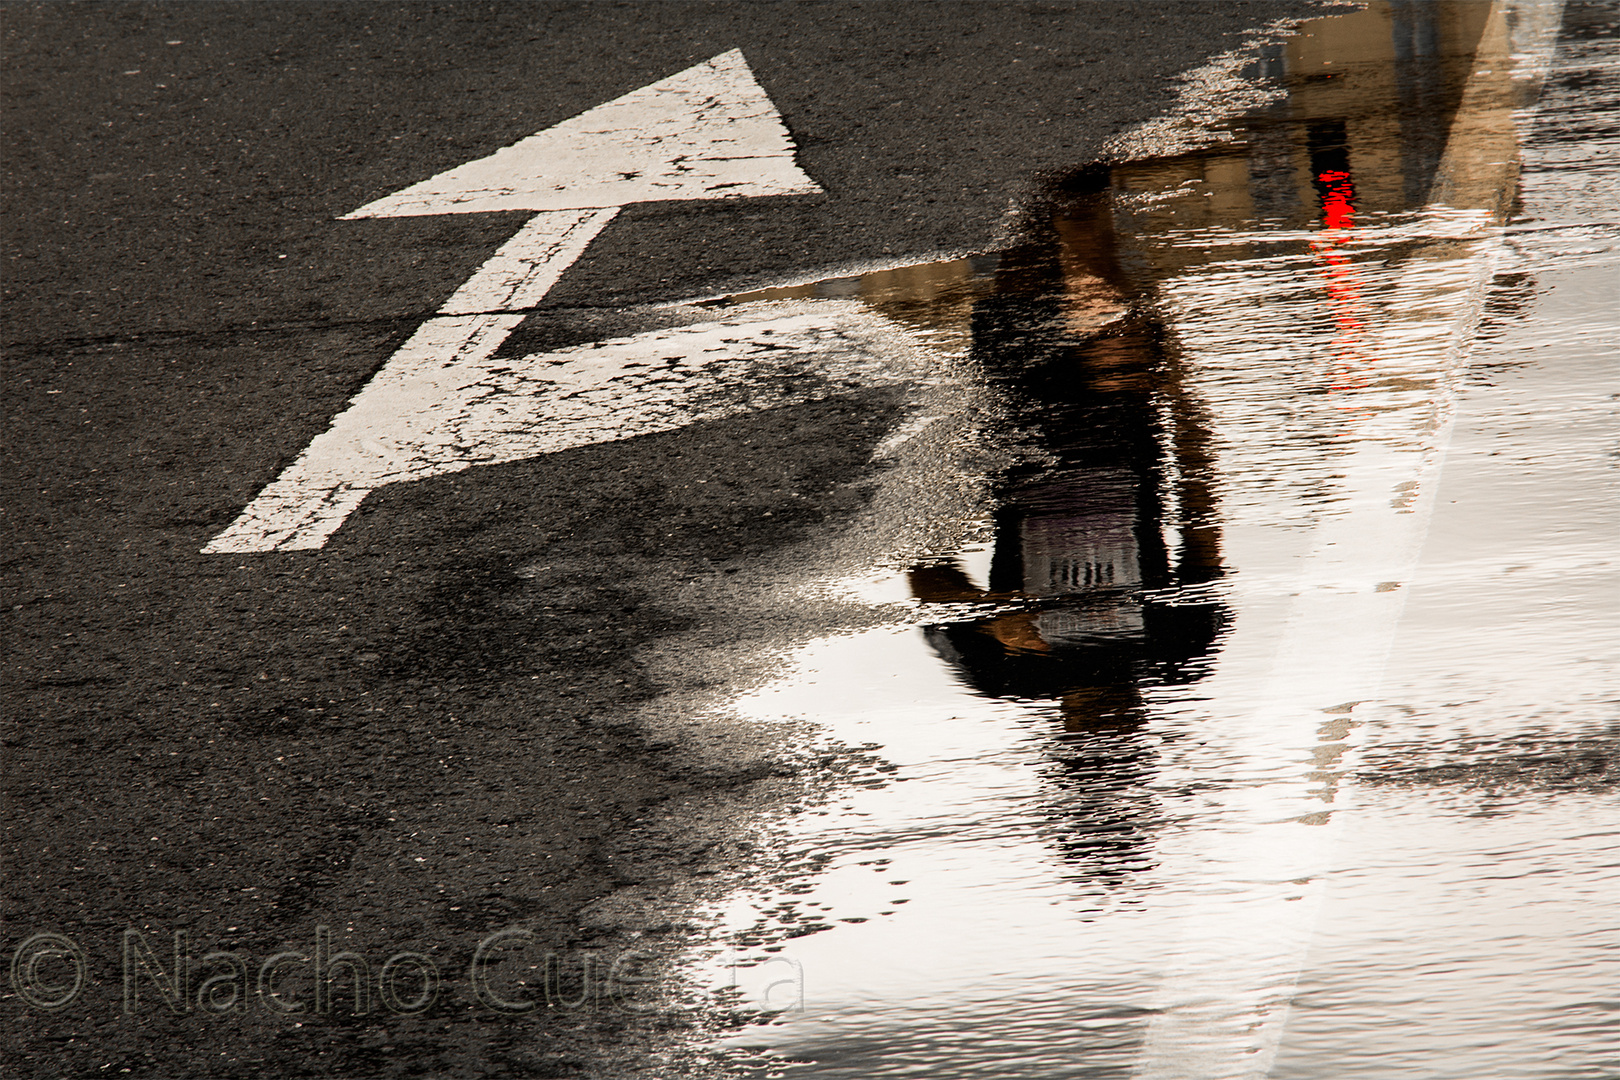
(1398, 341)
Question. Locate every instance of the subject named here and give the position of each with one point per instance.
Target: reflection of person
(1104, 551)
(1102, 601)
(1094, 602)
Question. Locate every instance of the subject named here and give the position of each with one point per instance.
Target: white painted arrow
(709, 132)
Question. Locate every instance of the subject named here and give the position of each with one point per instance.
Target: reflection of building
(1383, 94)
(1373, 94)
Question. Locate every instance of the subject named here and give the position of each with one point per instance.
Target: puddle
(1312, 484)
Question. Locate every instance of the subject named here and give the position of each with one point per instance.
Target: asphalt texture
(440, 725)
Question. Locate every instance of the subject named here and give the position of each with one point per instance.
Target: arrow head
(709, 132)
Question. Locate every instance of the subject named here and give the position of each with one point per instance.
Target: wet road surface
(1229, 750)
(1170, 635)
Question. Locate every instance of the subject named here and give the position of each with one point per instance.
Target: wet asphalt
(438, 726)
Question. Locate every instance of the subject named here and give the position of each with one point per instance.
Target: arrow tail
(388, 431)
(291, 514)
(528, 265)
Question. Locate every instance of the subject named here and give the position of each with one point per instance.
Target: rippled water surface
(1270, 728)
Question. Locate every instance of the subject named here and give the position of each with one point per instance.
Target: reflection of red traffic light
(1340, 276)
(1338, 198)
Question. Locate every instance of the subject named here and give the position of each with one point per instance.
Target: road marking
(525, 268)
(709, 132)
(425, 416)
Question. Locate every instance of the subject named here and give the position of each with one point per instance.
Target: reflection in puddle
(1229, 376)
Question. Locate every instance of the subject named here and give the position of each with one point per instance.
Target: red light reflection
(1344, 300)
